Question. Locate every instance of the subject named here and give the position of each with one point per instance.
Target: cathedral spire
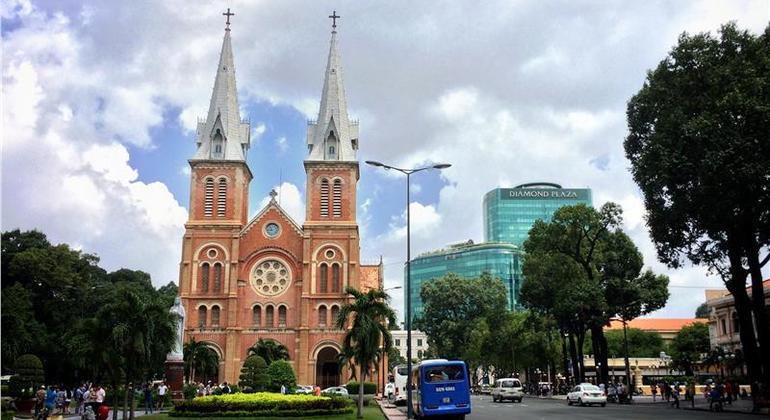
(333, 136)
(223, 135)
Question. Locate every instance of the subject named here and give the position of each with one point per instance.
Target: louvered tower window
(281, 316)
(202, 316)
(205, 277)
(257, 315)
(337, 208)
(336, 278)
(324, 197)
(222, 198)
(324, 279)
(322, 316)
(269, 316)
(215, 316)
(217, 278)
(335, 312)
(208, 203)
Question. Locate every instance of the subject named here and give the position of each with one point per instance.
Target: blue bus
(440, 388)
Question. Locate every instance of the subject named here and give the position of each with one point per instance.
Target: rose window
(270, 277)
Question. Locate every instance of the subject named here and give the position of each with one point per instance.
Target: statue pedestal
(175, 378)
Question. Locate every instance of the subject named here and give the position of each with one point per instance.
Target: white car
(586, 394)
(304, 389)
(507, 389)
(336, 390)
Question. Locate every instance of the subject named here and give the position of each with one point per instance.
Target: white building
(419, 343)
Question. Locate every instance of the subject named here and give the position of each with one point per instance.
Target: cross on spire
(273, 194)
(227, 22)
(334, 16)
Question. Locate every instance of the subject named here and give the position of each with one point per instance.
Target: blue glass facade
(509, 213)
(501, 260)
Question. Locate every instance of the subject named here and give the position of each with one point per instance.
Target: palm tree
(269, 350)
(345, 359)
(199, 357)
(369, 338)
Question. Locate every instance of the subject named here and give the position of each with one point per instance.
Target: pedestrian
(162, 390)
(201, 391)
(61, 396)
(692, 393)
(317, 391)
(39, 400)
(79, 399)
(675, 395)
(50, 399)
(729, 392)
(654, 390)
(100, 395)
(283, 389)
(225, 388)
(715, 403)
(147, 391)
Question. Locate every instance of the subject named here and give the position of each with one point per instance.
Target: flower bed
(261, 404)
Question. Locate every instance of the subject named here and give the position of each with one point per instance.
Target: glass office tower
(501, 260)
(509, 213)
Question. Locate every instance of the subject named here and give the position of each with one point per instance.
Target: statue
(177, 311)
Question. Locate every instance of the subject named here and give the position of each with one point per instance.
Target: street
(549, 409)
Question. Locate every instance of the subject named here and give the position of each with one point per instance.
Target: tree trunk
(131, 401)
(599, 345)
(582, 369)
(736, 284)
(114, 399)
(125, 402)
(565, 356)
(758, 303)
(573, 357)
(360, 413)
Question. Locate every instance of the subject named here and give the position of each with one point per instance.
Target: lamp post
(408, 321)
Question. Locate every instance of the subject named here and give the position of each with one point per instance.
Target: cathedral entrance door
(327, 370)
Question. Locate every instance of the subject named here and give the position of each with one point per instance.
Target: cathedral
(270, 278)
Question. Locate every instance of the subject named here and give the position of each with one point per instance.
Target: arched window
(334, 314)
(217, 278)
(337, 195)
(324, 197)
(215, 316)
(322, 316)
(222, 197)
(269, 316)
(218, 145)
(281, 316)
(205, 277)
(208, 198)
(736, 324)
(323, 278)
(202, 316)
(331, 150)
(335, 278)
(256, 314)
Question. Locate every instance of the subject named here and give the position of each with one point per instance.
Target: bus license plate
(445, 400)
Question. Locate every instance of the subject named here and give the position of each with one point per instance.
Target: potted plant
(29, 375)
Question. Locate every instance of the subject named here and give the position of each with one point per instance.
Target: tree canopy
(270, 350)
(699, 151)
(689, 344)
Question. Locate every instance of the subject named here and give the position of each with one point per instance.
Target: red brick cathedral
(269, 277)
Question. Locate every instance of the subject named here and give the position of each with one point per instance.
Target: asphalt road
(534, 408)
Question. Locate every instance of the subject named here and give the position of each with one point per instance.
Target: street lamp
(383, 371)
(408, 321)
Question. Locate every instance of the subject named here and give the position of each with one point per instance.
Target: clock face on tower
(272, 229)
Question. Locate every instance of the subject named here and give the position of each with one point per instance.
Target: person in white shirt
(162, 389)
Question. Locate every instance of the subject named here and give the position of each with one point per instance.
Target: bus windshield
(444, 373)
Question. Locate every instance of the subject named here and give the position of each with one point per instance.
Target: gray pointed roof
(224, 114)
(333, 116)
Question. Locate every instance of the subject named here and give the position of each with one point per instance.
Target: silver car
(336, 390)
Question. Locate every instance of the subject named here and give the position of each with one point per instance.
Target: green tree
(703, 311)
(698, 149)
(21, 331)
(602, 264)
(200, 360)
(458, 313)
(254, 374)
(640, 343)
(281, 373)
(29, 375)
(395, 358)
(269, 350)
(368, 338)
(688, 345)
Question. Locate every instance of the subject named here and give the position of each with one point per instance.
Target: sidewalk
(137, 413)
(391, 411)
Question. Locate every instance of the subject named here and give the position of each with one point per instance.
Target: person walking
(50, 399)
(654, 390)
(729, 393)
(162, 390)
(675, 395)
(147, 391)
(39, 400)
(99, 397)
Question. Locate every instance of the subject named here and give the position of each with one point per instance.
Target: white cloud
(282, 144)
(257, 132)
(290, 199)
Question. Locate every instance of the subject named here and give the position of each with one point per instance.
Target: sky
(100, 103)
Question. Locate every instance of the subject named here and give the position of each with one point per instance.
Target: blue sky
(101, 100)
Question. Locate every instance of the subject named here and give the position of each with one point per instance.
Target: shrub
(281, 373)
(189, 391)
(254, 374)
(259, 405)
(369, 388)
(29, 376)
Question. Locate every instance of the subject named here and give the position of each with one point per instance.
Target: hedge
(258, 405)
(369, 388)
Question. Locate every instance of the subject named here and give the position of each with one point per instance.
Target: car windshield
(444, 373)
(402, 370)
(590, 388)
(508, 384)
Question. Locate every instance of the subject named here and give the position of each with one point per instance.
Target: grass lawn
(372, 412)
